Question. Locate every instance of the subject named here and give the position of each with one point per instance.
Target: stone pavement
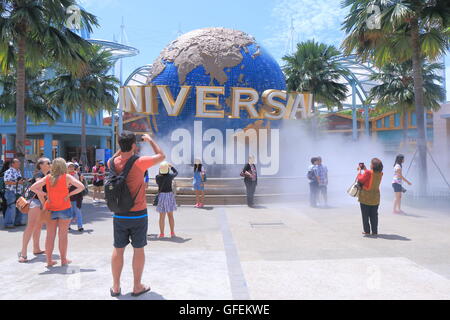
(282, 251)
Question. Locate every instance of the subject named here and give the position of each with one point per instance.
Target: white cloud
(318, 19)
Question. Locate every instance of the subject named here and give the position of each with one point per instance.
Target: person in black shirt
(166, 198)
(250, 179)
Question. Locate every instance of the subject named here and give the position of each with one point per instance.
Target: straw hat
(164, 167)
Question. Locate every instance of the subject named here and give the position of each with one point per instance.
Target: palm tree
(89, 93)
(313, 68)
(413, 30)
(32, 31)
(396, 88)
(36, 107)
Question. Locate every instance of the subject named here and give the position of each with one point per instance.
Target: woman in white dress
(397, 183)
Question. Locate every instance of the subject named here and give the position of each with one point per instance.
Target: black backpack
(117, 194)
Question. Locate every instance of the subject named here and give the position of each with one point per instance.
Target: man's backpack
(117, 195)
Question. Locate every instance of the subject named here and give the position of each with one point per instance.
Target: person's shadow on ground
(79, 233)
(388, 237)
(151, 295)
(70, 269)
(41, 258)
(154, 237)
(206, 208)
(258, 207)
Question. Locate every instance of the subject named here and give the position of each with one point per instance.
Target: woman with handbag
(57, 185)
(369, 195)
(34, 225)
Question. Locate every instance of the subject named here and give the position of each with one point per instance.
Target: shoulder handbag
(354, 189)
(23, 204)
(155, 202)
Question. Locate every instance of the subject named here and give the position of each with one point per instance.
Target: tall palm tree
(313, 68)
(413, 30)
(32, 31)
(88, 93)
(396, 88)
(36, 107)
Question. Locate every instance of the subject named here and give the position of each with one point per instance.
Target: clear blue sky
(150, 25)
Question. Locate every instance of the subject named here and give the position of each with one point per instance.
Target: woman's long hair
(59, 168)
(197, 167)
(399, 160)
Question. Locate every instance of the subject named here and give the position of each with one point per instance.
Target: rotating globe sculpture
(213, 57)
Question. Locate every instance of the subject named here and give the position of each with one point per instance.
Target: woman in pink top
(57, 185)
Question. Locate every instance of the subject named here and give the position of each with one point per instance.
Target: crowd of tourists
(54, 194)
(367, 189)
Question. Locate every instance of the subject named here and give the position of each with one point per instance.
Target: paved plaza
(282, 251)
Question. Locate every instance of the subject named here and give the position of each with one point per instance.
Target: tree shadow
(151, 295)
(388, 237)
(154, 237)
(70, 269)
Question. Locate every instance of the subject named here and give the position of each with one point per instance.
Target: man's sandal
(146, 289)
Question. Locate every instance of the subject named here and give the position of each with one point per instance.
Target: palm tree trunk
(83, 157)
(314, 119)
(418, 99)
(20, 102)
(405, 126)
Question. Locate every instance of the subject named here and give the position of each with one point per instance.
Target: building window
(379, 124)
(413, 119)
(387, 122)
(397, 120)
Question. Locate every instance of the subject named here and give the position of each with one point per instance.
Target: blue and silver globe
(213, 57)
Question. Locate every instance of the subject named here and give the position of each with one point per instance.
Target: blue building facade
(60, 139)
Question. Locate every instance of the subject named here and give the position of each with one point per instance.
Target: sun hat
(164, 167)
(70, 164)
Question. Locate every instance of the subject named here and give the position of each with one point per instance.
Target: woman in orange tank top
(57, 184)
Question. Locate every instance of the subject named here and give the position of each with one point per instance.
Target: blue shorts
(130, 226)
(397, 187)
(63, 214)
